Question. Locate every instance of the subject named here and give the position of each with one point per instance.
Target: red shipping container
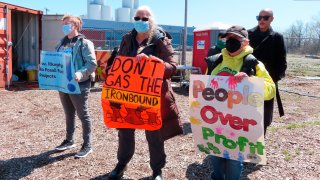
(20, 28)
(203, 40)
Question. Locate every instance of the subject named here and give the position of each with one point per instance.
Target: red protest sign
(131, 94)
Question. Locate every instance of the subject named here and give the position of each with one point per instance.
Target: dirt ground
(32, 124)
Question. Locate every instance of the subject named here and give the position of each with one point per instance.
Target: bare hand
(141, 56)
(78, 76)
(154, 57)
(239, 76)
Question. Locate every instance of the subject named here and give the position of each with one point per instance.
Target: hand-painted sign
(131, 94)
(56, 72)
(227, 117)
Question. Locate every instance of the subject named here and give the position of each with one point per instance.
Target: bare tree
(304, 38)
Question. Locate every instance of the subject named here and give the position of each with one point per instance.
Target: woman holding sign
(84, 61)
(237, 60)
(146, 40)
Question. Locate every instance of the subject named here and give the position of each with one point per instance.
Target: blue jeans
(226, 169)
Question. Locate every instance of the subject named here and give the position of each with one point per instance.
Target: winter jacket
(270, 49)
(160, 46)
(232, 65)
(84, 57)
(214, 50)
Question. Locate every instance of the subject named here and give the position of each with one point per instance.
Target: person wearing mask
(233, 62)
(82, 53)
(148, 40)
(221, 43)
(269, 48)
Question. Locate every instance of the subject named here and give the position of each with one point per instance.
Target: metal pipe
(184, 45)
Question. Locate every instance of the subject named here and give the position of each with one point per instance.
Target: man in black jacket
(270, 49)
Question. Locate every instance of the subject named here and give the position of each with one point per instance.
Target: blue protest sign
(56, 72)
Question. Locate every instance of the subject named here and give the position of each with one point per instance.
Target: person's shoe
(117, 172)
(157, 175)
(65, 145)
(85, 150)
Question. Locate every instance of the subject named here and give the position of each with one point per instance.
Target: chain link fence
(303, 45)
(108, 39)
(104, 39)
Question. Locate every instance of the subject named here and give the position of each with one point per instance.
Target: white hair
(149, 12)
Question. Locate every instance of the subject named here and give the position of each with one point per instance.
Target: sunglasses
(265, 18)
(137, 18)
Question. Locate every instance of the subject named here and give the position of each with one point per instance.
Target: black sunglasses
(137, 18)
(263, 17)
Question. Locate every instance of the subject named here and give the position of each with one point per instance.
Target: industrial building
(100, 19)
(25, 32)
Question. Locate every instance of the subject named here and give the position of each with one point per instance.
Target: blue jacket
(84, 58)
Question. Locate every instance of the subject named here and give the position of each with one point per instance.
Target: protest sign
(56, 72)
(131, 94)
(227, 117)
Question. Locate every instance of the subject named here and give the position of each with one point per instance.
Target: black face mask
(233, 45)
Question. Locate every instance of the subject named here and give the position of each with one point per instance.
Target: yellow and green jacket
(232, 65)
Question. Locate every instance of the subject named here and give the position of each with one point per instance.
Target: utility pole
(184, 45)
(47, 10)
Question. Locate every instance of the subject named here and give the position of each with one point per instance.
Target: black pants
(155, 143)
(268, 113)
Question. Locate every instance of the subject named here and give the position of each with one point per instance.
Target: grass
(287, 155)
(295, 125)
(298, 65)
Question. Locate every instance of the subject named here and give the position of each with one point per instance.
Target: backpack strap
(212, 62)
(249, 65)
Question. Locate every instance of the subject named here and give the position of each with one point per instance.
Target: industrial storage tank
(100, 2)
(94, 11)
(132, 14)
(88, 4)
(136, 4)
(127, 3)
(106, 13)
(123, 14)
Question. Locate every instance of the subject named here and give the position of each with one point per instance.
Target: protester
(221, 43)
(84, 60)
(148, 40)
(270, 49)
(236, 60)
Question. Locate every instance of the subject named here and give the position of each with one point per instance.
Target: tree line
(304, 38)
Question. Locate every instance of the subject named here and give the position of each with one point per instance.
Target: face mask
(221, 44)
(141, 26)
(233, 45)
(66, 29)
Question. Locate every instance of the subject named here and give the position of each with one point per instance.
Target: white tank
(127, 4)
(94, 11)
(123, 14)
(136, 4)
(88, 5)
(106, 13)
(132, 14)
(100, 2)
